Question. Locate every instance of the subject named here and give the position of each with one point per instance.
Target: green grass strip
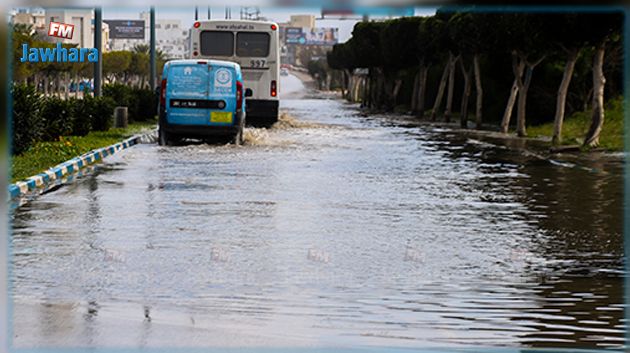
(44, 155)
(575, 127)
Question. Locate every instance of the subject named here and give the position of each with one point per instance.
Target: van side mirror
(248, 92)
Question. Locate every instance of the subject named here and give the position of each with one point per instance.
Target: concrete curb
(21, 188)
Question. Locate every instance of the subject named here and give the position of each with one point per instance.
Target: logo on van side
(223, 78)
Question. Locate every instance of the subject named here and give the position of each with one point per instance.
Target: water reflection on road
(331, 229)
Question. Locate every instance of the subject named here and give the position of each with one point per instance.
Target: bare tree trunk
(517, 67)
(66, 87)
(369, 87)
(76, 85)
(397, 85)
(562, 96)
(479, 91)
(347, 83)
(361, 85)
(440, 94)
(381, 90)
(414, 92)
(522, 96)
(451, 87)
(422, 91)
(36, 82)
(586, 98)
(351, 83)
(463, 118)
(522, 102)
(599, 82)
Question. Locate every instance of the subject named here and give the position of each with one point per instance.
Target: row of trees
(128, 67)
(495, 50)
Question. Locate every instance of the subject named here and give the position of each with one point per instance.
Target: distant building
(304, 21)
(82, 19)
(171, 38)
(104, 36)
(29, 16)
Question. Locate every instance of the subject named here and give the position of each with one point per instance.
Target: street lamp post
(98, 44)
(152, 50)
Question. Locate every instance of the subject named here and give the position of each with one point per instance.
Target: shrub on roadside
(26, 123)
(103, 109)
(57, 118)
(83, 113)
(146, 105)
(141, 103)
(36, 119)
(121, 94)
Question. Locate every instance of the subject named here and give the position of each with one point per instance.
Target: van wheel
(238, 138)
(163, 138)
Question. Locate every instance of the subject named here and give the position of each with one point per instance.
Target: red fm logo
(60, 30)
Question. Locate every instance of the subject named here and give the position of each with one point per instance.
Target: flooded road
(329, 230)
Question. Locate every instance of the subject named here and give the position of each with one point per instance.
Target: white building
(29, 16)
(81, 19)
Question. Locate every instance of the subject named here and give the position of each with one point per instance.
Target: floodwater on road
(329, 230)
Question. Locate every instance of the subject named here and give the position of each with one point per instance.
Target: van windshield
(217, 43)
(252, 44)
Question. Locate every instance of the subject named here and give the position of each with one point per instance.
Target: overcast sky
(187, 15)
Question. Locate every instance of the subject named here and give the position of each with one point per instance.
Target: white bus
(254, 45)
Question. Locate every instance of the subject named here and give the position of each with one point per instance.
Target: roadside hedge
(141, 103)
(27, 120)
(37, 118)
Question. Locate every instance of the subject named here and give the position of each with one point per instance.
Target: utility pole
(196, 13)
(152, 50)
(98, 44)
(209, 13)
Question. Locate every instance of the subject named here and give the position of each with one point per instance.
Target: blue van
(201, 99)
